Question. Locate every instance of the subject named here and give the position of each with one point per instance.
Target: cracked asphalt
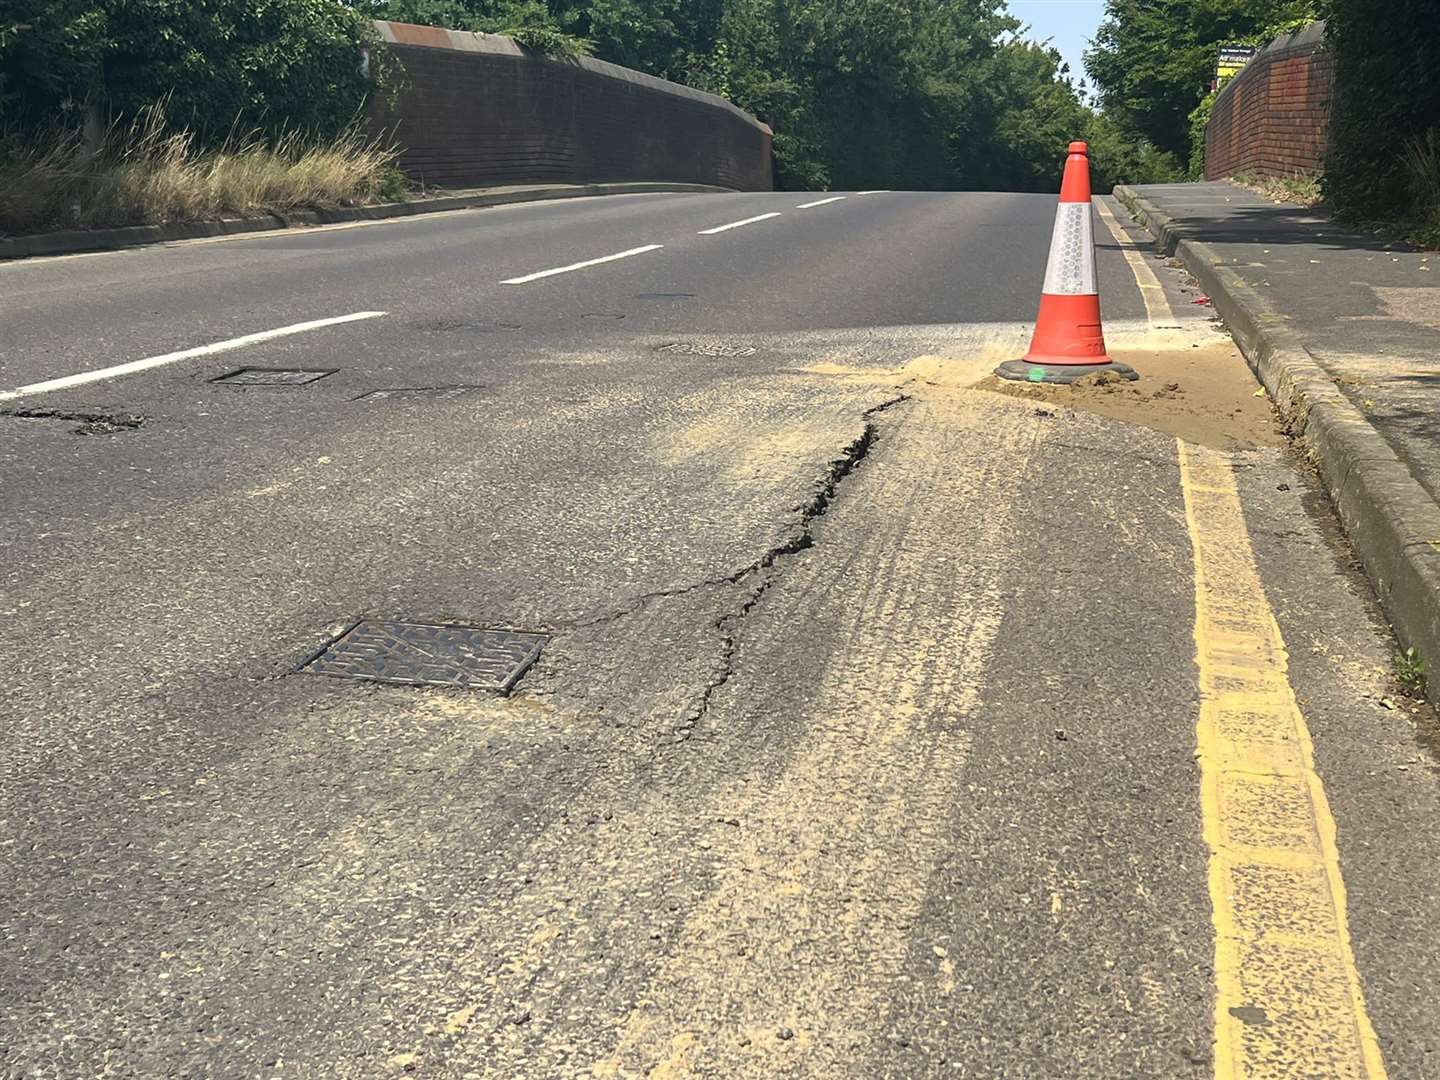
(864, 742)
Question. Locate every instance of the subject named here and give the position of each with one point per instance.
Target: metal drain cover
(257, 376)
(424, 654)
(419, 392)
(708, 348)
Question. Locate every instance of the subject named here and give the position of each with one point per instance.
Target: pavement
(1367, 309)
(1343, 329)
(887, 724)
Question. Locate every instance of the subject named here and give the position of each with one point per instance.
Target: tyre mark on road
(786, 965)
(1289, 1001)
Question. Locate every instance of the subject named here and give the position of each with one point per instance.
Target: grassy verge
(145, 174)
(1422, 165)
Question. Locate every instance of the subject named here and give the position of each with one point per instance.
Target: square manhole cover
(256, 376)
(425, 654)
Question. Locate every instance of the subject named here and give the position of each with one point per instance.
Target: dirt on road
(1205, 394)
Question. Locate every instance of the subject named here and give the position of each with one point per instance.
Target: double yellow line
(1289, 1001)
(1157, 307)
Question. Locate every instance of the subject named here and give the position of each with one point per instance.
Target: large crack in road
(800, 540)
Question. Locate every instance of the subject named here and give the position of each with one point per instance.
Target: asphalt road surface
(883, 725)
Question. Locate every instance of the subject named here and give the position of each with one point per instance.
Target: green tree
(1119, 157)
(532, 23)
(271, 64)
(50, 59)
(896, 93)
(1153, 59)
(1037, 115)
(901, 93)
(644, 34)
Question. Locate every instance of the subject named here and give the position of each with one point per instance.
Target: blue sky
(1070, 23)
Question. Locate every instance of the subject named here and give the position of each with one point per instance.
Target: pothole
(91, 423)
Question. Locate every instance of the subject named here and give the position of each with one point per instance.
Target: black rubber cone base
(1025, 371)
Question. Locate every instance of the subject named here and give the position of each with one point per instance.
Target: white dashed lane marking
(83, 377)
(581, 265)
(737, 224)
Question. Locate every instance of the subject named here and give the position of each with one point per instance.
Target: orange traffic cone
(1068, 343)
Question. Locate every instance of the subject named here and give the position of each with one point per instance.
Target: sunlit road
(883, 725)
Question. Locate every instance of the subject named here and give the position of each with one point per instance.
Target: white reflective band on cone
(1071, 270)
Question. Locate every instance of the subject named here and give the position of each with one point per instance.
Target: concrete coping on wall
(435, 37)
(1306, 38)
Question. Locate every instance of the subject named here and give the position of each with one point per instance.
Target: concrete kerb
(1392, 521)
(85, 240)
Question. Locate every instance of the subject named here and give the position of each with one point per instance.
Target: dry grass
(1302, 189)
(1422, 164)
(145, 174)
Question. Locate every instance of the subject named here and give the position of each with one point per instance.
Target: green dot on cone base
(1026, 371)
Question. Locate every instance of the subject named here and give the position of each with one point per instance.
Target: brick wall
(477, 110)
(1273, 117)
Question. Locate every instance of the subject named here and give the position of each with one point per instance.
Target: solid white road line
(737, 224)
(877, 191)
(581, 265)
(819, 202)
(185, 354)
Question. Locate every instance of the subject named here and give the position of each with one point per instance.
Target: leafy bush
(1199, 121)
(798, 164)
(551, 42)
(1153, 59)
(276, 65)
(1117, 157)
(1386, 98)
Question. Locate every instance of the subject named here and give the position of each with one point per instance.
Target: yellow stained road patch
(788, 965)
(1289, 1001)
